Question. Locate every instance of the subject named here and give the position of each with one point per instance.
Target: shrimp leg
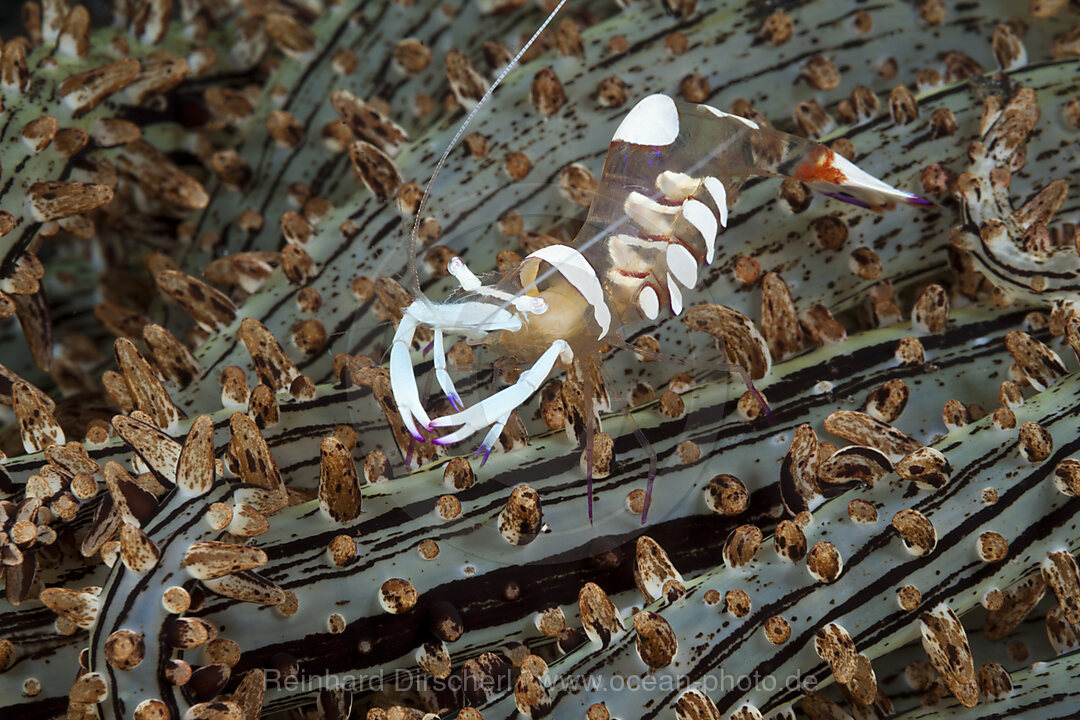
(439, 318)
(445, 382)
(493, 409)
(491, 438)
(402, 380)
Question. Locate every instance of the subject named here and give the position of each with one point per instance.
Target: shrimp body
(670, 174)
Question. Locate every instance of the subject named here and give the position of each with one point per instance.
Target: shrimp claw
(496, 409)
(458, 317)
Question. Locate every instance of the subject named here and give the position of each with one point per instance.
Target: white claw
(483, 413)
(719, 196)
(493, 435)
(501, 404)
(474, 319)
(402, 380)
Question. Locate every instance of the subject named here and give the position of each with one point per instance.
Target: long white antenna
(414, 273)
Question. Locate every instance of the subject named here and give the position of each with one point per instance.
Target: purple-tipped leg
(844, 197)
(486, 450)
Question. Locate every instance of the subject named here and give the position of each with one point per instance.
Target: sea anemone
(224, 517)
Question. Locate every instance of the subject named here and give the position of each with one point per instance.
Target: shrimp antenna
(414, 273)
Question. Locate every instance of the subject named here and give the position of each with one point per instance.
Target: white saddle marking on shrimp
(492, 437)
(681, 264)
(654, 121)
(649, 302)
(573, 266)
(719, 196)
(720, 113)
(702, 218)
(676, 295)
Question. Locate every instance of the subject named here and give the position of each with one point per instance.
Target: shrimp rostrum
(659, 209)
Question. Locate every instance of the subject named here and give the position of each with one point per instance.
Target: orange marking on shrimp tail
(818, 167)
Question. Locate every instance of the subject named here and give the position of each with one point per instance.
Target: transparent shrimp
(662, 200)
(659, 209)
